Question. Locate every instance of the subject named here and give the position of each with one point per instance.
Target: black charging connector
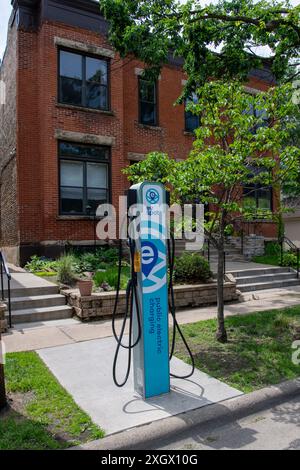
(131, 197)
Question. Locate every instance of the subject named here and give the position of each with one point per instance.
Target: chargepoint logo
(296, 353)
(152, 196)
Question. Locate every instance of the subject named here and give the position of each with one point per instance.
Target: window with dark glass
(192, 121)
(257, 198)
(147, 102)
(84, 178)
(83, 80)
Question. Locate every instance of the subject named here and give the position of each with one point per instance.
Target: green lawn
(42, 415)
(258, 353)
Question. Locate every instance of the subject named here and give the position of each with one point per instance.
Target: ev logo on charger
(153, 266)
(149, 257)
(152, 196)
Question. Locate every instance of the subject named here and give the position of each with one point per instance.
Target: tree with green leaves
(234, 148)
(223, 40)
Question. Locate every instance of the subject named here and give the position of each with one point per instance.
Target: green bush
(191, 267)
(92, 261)
(272, 248)
(289, 260)
(66, 270)
(110, 276)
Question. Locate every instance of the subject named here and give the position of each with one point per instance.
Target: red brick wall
(39, 116)
(9, 227)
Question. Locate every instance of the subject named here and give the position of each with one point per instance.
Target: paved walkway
(27, 337)
(85, 371)
(24, 280)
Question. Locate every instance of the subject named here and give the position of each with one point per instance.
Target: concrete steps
(36, 314)
(32, 291)
(232, 252)
(265, 278)
(38, 301)
(34, 299)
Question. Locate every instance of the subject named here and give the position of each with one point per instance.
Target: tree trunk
(221, 333)
(2, 383)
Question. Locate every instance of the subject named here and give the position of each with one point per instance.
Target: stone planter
(100, 305)
(85, 287)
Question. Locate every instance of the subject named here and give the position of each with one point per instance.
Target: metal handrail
(294, 247)
(5, 271)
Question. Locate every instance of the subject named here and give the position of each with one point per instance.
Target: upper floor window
(84, 178)
(192, 121)
(260, 115)
(83, 80)
(147, 102)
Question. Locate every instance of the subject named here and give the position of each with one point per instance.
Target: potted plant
(85, 284)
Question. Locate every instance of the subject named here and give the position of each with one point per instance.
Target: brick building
(74, 115)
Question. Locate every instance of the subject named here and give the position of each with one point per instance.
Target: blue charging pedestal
(151, 355)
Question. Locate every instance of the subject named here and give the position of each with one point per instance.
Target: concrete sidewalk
(85, 371)
(27, 337)
(264, 419)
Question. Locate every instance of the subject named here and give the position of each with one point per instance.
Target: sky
(5, 9)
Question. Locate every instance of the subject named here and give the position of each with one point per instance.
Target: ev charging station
(148, 293)
(151, 355)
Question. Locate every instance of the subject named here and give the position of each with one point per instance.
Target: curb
(149, 436)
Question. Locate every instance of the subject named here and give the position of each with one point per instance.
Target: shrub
(191, 267)
(66, 270)
(41, 264)
(272, 248)
(289, 260)
(110, 276)
(92, 261)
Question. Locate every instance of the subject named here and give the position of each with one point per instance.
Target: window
(83, 80)
(147, 102)
(84, 178)
(260, 115)
(257, 198)
(192, 121)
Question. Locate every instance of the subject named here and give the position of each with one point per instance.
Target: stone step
(261, 271)
(266, 278)
(37, 301)
(33, 291)
(268, 285)
(41, 314)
